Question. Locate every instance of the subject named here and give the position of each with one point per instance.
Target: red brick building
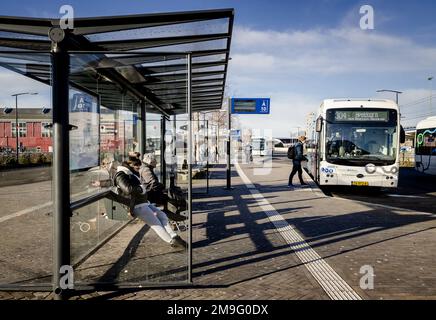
(32, 136)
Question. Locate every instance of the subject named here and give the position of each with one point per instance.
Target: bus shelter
(114, 86)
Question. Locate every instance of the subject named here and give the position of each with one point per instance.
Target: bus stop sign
(250, 105)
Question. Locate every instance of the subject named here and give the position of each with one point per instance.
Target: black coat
(129, 187)
(299, 156)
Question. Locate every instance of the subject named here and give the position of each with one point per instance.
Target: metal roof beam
(135, 44)
(178, 67)
(179, 93)
(168, 78)
(28, 44)
(184, 89)
(116, 23)
(93, 25)
(199, 83)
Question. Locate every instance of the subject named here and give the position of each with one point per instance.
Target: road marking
(332, 283)
(35, 208)
(25, 211)
(404, 196)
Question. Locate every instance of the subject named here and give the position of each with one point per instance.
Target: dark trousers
(158, 198)
(296, 168)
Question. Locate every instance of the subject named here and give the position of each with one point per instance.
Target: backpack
(291, 152)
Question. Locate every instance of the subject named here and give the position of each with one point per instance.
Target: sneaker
(304, 184)
(178, 242)
(290, 185)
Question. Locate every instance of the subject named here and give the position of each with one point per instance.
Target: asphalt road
(415, 191)
(13, 177)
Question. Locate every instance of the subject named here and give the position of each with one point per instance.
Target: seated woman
(129, 186)
(155, 190)
(108, 169)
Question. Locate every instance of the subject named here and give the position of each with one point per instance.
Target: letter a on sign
(367, 20)
(67, 280)
(367, 280)
(67, 20)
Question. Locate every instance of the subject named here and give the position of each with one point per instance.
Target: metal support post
(61, 175)
(163, 171)
(189, 105)
(141, 128)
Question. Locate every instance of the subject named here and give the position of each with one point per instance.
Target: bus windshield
(358, 138)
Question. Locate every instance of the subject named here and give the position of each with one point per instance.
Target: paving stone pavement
(239, 255)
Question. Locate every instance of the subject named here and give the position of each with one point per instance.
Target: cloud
(11, 83)
(329, 52)
(298, 68)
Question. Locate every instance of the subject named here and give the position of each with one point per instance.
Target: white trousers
(156, 219)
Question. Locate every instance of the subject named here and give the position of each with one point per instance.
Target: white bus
(281, 145)
(262, 146)
(357, 143)
(425, 146)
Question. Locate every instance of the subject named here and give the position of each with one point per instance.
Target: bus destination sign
(377, 116)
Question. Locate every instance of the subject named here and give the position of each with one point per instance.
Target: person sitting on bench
(156, 192)
(129, 186)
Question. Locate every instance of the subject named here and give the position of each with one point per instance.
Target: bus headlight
(370, 168)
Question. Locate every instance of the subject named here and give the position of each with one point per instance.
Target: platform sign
(85, 140)
(250, 105)
(82, 103)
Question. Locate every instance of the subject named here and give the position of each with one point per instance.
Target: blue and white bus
(357, 143)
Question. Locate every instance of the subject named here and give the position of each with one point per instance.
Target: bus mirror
(402, 135)
(318, 124)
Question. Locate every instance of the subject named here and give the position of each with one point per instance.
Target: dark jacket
(150, 180)
(155, 190)
(299, 156)
(129, 186)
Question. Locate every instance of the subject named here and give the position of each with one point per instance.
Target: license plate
(360, 183)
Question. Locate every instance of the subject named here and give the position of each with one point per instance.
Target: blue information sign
(250, 105)
(82, 103)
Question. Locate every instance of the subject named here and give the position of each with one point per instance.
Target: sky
(301, 52)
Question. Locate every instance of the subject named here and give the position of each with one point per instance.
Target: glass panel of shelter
(200, 168)
(26, 220)
(97, 227)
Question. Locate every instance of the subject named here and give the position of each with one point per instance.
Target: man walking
(296, 162)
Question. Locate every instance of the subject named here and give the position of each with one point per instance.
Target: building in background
(33, 135)
(310, 126)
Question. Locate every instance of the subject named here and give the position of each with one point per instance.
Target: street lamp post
(394, 91)
(298, 131)
(16, 119)
(431, 89)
